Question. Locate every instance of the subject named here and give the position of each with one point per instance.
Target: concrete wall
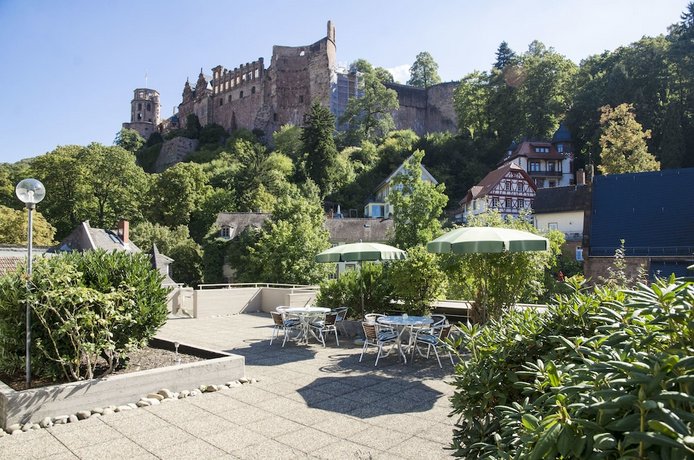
(221, 302)
(234, 300)
(567, 222)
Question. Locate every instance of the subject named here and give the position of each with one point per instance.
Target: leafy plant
(85, 306)
(601, 374)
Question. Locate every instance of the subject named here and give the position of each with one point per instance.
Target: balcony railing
(545, 173)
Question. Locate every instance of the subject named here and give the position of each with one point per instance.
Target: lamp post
(29, 192)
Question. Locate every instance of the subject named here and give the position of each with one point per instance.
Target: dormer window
(225, 232)
(542, 149)
(560, 148)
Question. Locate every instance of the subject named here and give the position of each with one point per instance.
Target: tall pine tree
(320, 161)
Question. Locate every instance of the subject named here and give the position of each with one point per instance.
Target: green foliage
(601, 374)
(129, 139)
(212, 135)
(147, 157)
(369, 286)
(84, 306)
(175, 243)
(13, 227)
(418, 281)
(287, 140)
(471, 101)
(288, 243)
(623, 142)
(193, 127)
(177, 193)
(320, 160)
(369, 117)
(424, 72)
(418, 205)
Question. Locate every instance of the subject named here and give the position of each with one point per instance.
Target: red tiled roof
(490, 181)
(527, 149)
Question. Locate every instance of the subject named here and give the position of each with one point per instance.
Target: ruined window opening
(229, 98)
(241, 95)
(253, 90)
(139, 116)
(274, 116)
(221, 101)
(149, 107)
(139, 106)
(301, 99)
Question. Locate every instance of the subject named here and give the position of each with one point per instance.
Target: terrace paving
(309, 402)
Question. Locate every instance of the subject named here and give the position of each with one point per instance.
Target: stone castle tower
(144, 112)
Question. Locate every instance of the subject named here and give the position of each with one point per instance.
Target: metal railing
(257, 285)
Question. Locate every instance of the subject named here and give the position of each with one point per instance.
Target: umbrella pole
(361, 278)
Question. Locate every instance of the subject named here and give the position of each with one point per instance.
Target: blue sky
(69, 67)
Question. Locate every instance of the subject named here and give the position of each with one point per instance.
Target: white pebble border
(151, 399)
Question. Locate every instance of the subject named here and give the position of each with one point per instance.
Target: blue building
(653, 212)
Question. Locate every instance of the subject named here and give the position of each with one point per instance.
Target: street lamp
(29, 192)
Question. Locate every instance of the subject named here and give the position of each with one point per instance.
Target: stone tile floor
(309, 402)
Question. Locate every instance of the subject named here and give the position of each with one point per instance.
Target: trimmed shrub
(602, 374)
(370, 284)
(85, 306)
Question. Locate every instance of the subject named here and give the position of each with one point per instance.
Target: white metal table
(305, 314)
(404, 323)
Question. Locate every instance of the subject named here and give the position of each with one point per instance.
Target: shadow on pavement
(366, 396)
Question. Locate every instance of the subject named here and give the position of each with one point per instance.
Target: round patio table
(404, 323)
(306, 314)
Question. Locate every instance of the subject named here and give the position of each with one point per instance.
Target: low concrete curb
(56, 400)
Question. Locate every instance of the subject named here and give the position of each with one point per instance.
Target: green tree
(129, 139)
(319, 147)
(13, 227)
(65, 178)
(424, 71)
(418, 280)
(175, 243)
(504, 56)
(115, 184)
(287, 141)
(623, 142)
(369, 117)
(7, 196)
(471, 102)
(287, 244)
(177, 193)
(193, 127)
(418, 205)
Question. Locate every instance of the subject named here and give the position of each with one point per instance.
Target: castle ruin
(256, 97)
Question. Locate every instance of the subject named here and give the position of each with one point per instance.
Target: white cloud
(401, 73)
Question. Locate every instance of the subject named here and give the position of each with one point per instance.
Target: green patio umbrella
(472, 240)
(359, 252)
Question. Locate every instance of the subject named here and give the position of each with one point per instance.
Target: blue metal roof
(653, 212)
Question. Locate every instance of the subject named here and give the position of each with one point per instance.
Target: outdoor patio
(309, 402)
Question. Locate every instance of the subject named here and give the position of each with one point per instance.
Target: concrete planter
(68, 398)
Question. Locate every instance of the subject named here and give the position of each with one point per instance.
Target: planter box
(65, 399)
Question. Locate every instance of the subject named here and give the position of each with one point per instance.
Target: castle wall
(425, 110)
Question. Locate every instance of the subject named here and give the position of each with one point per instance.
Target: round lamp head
(30, 191)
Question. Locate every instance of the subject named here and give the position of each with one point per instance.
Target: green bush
(85, 306)
(418, 281)
(370, 284)
(601, 374)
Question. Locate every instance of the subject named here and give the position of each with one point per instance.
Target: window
(139, 116)
(229, 100)
(495, 202)
(253, 90)
(274, 116)
(240, 94)
(553, 226)
(221, 101)
(560, 148)
(542, 149)
(508, 185)
(139, 106)
(539, 183)
(534, 166)
(225, 232)
(301, 99)
(508, 203)
(521, 203)
(552, 183)
(149, 107)
(551, 166)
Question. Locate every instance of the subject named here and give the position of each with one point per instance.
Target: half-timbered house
(508, 189)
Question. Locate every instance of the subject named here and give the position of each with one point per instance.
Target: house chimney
(580, 177)
(124, 230)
